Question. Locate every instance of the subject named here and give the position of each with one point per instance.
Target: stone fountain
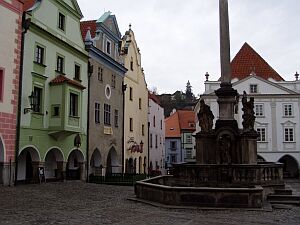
(226, 173)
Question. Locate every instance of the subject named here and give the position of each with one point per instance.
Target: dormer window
(253, 88)
(108, 47)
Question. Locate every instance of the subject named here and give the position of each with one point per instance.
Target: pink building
(10, 53)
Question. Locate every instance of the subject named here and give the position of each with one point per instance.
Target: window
(130, 124)
(161, 124)
(60, 64)
(153, 121)
(73, 104)
(288, 134)
(39, 54)
(131, 64)
(173, 145)
(108, 47)
(106, 114)
(1, 83)
(100, 74)
(259, 109)
(77, 72)
(38, 94)
(143, 129)
(55, 111)
(150, 140)
(97, 112)
(140, 103)
(61, 21)
(261, 134)
(173, 159)
(156, 141)
(130, 93)
(188, 153)
(116, 118)
(188, 138)
(253, 88)
(288, 110)
(113, 80)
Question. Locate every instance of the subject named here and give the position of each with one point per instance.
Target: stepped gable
(89, 24)
(187, 120)
(247, 61)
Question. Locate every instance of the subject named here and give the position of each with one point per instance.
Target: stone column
(82, 171)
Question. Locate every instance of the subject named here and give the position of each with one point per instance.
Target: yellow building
(136, 108)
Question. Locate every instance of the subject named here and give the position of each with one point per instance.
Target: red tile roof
(60, 79)
(28, 4)
(187, 120)
(179, 121)
(172, 127)
(247, 60)
(154, 98)
(85, 25)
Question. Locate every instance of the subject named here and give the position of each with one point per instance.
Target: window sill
(37, 113)
(289, 142)
(76, 79)
(263, 116)
(59, 72)
(262, 142)
(75, 117)
(40, 64)
(288, 116)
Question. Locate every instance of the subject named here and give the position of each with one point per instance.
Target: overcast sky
(179, 40)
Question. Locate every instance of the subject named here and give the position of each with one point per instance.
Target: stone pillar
(249, 147)
(82, 171)
(61, 170)
(205, 148)
(7, 175)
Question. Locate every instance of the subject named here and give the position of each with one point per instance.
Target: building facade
(136, 158)
(276, 106)
(180, 126)
(105, 95)
(54, 94)
(10, 54)
(156, 136)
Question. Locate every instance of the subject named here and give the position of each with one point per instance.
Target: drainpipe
(148, 149)
(124, 86)
(25, 27)
(90, 72)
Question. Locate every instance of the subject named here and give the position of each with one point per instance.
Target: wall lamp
(33, 103)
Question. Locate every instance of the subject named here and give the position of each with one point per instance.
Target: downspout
(124, 86)
(25, 27)
(90, 72)
(148, 149)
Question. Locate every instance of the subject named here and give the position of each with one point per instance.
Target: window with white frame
(188, 138)
(289, 134)
(259, 110)
(97, 112)
(288, 110)
(261, 134)
(108, 47)
(253, 88)
(106, 114)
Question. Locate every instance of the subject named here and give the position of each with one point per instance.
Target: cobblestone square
(75, 202)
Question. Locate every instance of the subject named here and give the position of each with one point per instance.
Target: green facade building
(53, 133)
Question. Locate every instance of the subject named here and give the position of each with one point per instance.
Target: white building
(156, 136)
(277, 107)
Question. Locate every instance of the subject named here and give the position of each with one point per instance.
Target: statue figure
(205, 117)
(225, 149)
(248, 116)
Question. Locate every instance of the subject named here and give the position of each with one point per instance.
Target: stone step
(276, 197)
(283, 192)
(290, 202)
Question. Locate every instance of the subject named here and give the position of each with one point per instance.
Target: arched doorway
(290, 166)
(54, 164)
(129, 166)
(1, 160)
(112, 164)
(28, 162)
(75, 165)
(95, 163)
(134, 166)
(260, 159)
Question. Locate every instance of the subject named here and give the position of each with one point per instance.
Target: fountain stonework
(226, 173)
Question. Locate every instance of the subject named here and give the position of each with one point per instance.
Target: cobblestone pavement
(76, 202)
